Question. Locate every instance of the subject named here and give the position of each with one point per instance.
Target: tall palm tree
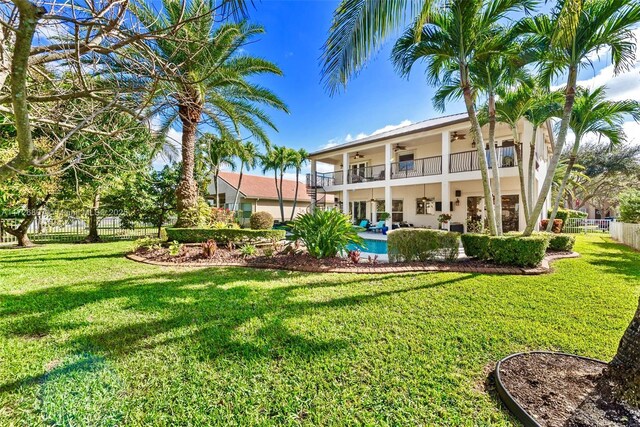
(457, 42)
(203, 75)
(299, 157)
(567, 37)
(248, 155)
(279, 160)
(216, 154)
(594, 114)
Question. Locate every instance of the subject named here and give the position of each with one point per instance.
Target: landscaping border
(385, 268)
(511, 402)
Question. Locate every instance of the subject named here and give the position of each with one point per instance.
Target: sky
(378, 98)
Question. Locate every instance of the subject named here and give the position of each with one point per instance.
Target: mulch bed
(562, 390)
(191, 256)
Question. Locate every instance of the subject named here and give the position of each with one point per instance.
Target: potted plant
(443, 219)
(383, 216)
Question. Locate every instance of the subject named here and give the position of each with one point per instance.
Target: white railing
(628, 234)
(586, 225)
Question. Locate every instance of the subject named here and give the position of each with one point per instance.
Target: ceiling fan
(358, 156)
(455, 136)
(399, 147)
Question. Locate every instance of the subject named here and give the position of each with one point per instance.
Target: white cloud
(350, 138)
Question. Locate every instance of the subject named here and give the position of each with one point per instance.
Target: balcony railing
(324, 179)
(366, 174)
(417, 167)
(467, 161)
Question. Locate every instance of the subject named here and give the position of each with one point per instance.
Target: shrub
(268, 251)
(354, 256)
(325, 233)
(517, 250)
(261, 221)
(561, 242)
(630, 206)
(248, 250)
(565, 214)
(198, 215)
(222, 235)
(146, 243)
(209, 248)
(175, 248)
(476, 245)
(557, 225)
(422, 245)
(383, 216)
(222, 215)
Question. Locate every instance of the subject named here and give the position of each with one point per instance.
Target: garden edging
(543, 268)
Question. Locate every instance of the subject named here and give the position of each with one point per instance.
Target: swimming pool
(370, 245)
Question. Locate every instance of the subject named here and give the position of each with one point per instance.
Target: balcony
(467, 161)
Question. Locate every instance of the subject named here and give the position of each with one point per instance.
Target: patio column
(345, 167)
(388, 201)
(345, 202)
(387, 162)
(446, 199)
(446, 150)
(313, 184)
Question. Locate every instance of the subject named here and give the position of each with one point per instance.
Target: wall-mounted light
(457, 202)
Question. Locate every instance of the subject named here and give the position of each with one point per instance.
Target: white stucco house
(422, 170)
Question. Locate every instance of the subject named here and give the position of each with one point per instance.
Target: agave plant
(325, 233)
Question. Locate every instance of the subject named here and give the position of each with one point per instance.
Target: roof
(422, 126)
(264, 187)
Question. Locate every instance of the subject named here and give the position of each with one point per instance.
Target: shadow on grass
(201, 308)
(616, 258)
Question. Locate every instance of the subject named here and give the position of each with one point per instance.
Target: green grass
(90, 338)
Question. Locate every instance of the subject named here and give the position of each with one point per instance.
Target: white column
(387, 161)
(312, 183)
(446, 199)
(345, 167)
(345, 202)
(388, 201)
(446, 150)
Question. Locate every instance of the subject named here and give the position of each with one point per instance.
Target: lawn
(90, 338)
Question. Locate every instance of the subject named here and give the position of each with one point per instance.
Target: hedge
(422, 245)
(555, 228)
(508, 250)
(565, 214)
(561, 242)
(476, 245)
(222, 235)
(261, 221)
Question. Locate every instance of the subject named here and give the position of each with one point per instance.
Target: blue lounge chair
(364, 223)
(378, 227)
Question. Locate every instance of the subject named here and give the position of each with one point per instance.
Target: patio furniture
(364, 224)
(378, 227)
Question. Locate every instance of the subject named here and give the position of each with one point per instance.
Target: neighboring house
(258, 193)
(422, 170)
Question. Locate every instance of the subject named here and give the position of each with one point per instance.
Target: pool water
(371, 246)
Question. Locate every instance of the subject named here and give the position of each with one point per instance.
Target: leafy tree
(217, 153)
(279, 160)
(566, 38)
(249, 157)
(594, 114)
(206, 78)
(630, 206)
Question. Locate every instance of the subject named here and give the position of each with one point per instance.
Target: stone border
(543, 268)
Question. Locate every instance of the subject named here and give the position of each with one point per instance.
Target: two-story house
(422, 170)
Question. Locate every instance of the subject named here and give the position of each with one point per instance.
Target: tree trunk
(187, 190)
(295, 196)
(235, 201)
(93, 236)
(523, 186)
(565, 179)
(216, 175)
(281, 196)
(495, 171)
(476, 130)
(570, 95)
(21, 231)
(531, 173)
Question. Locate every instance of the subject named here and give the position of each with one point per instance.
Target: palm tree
(248, 155)
(279, 160)
(300, 157)
(567, 37)
(594, 114)
(201, 75)
(216, 154)
(458, 42)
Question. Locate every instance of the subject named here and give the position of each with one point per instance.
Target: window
(358, 210)
(424, 207)
(405, 162)
(396, 209)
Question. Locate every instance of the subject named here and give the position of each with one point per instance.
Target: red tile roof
(264, 187)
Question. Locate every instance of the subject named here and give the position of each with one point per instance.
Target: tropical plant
(566, 39)
(175, 248)
(209, 248)
(216, 154)
(594, 114)
(299, 158)
(462, 43)
(248, 250)
(325, 233)
(630, 206)
(279, 159)
(248, 154)
(206, 76)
